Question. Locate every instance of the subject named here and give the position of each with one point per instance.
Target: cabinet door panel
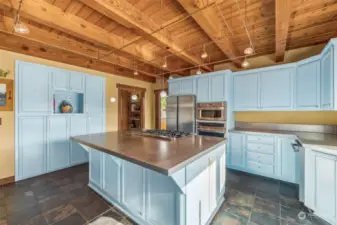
(96, 124)
(95, 90)
(308, 86)
(34, 97)
(77, 82)
(95, 170)
(246, 92)
(203, 89)
(78, 126)
(187, 86)
(276, 89)
(327, 64)
(325, 186)
(218, 88)
(32, 146)
(58, 143)
(237, 149)
(161, 198)
(60, 79)
(288, 160)
(133, 188)
(174, 87)
(112, 176)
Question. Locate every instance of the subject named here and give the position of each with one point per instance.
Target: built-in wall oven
(211, 119)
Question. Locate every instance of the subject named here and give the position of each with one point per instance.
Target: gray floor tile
(229, 219)
(267, 207)
(263, 218)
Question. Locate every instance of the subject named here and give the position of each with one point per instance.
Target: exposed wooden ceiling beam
(211, 23)
(28, 47)
(282, 14)
(42, 12)
(68, 44)
(127, 15)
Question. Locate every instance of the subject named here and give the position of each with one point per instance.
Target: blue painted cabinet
(188, 86)
(112, 177)
(60, 79)
(218, 88)
(203, 89)
(95, 167)
(133, 188)
(287, 160)
(77, 82)
(276, 89)
(95, 95)
(321, 184)
(307, 88)
(78, 126)
(58, 143)
(161, 190)
(34, 89)
(327, 79)
(236, 150)
(174, 87)
(246, 94)
(96, 124)
(31, 147)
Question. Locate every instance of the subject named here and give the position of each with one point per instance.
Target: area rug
(105, 221)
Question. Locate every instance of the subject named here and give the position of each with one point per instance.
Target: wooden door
(123, 109)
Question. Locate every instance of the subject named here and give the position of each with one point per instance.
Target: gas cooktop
(163, 134)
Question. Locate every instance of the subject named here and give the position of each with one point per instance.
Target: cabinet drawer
(260, 168)
(260, 139)
(262, 148)
(260, 158)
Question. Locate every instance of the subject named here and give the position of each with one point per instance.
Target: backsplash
(315, 118)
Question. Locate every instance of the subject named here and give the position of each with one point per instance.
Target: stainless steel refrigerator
(180, 113)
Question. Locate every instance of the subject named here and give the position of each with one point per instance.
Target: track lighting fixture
(135, 73)
(204, 55)
(249, 51)
(245, 63)
(19, 27)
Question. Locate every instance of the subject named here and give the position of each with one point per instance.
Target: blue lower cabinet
(133, 188)
(161, 190)
(95, 167)
(31, 147)
(58, 143)
(112, 177)
(236, 150)
(78, 126)
(96, 124)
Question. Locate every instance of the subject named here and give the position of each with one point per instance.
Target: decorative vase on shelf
(66, 107)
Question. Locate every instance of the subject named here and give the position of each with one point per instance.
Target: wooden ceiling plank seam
(282, 12)
(212, 25)
(132, 18)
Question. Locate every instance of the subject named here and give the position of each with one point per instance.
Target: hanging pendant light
(199, 71)
(134, 97)
(245, 63)
(204, 55)
(135, 73)
(165, 63)
(249, 51)
(19, 27)
(163, 94)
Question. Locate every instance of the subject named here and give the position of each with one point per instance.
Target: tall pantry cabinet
(42, 132)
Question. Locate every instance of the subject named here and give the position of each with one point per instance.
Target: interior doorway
(160, 105)
(131, 112)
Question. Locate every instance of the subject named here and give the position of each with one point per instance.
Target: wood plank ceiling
(121, 36)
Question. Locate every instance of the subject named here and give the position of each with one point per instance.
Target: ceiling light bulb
(199, 72)
(204, 55)
(245, 63)
(163, 94)
(134, 97)
(135, 73)
(21, 28)
(170, 77)
(165, 65)
(249, 51)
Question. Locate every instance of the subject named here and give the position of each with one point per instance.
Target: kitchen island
(155, 181)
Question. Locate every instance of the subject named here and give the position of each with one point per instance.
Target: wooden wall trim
(130, 88)
(7, 180)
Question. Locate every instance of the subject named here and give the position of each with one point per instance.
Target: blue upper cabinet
(77, 82)
(188, 86)
(203, 89)
(60, 79)
(95, 91)
(34, 94)
(174, 87)
(327, 79)
(307, 85)
(218, 88)
(276, 87)
(246, 92)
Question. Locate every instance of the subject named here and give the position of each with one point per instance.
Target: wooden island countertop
(159, 155)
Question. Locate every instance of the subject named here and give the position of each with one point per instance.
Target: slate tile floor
(63, 198)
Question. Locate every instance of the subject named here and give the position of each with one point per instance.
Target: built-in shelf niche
(75, 99)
